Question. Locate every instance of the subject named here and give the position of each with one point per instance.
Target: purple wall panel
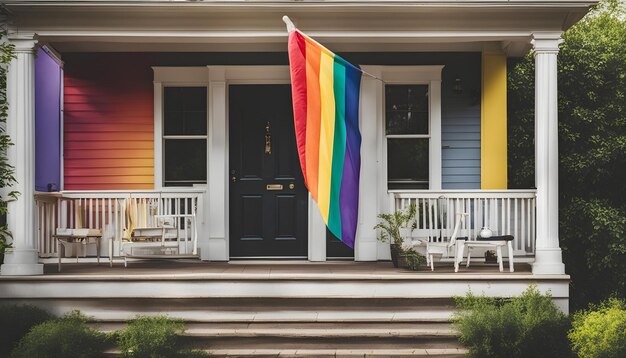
(48, 76)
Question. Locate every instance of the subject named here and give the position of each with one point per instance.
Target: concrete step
(380, 353)
(320, 339)
(354, 346)
(247, 310)
(333, 353)
(309, 330)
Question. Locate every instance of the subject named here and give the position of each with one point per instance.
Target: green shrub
(600, 332)
(526, 326)
(68, 336)
(15, 322)
(154, 337)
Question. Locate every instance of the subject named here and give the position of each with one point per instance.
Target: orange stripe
(313, 116)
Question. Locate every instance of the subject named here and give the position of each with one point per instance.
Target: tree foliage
(592, 149)
(600, 331)
(7, 172)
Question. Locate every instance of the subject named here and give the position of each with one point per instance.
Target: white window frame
(405, 136)
(174, 77)
(413, 75)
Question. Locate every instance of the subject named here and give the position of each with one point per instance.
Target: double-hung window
(407, 130)
(184, 136)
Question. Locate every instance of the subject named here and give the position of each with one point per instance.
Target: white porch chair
(442, 249)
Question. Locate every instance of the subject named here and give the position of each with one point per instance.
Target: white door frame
(217, 79)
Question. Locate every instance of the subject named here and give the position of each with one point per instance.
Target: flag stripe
(327, 132)
(339, 147)
(300, 93)
(313, 116)
(349, 197)
(326, 116)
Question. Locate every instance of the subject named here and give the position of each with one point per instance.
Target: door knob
(233, 178)
(291, 186)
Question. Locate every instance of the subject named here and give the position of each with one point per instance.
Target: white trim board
(217, 79)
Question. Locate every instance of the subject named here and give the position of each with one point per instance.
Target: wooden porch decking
(259, 269)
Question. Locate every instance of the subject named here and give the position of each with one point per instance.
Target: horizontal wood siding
(460, 112)
(108, 122)
(460, 124)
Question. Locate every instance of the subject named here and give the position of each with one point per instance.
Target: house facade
(189, 101)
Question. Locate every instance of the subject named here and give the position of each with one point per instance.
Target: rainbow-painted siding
(108, 122)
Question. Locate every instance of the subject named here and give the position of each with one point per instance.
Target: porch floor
(263, 269)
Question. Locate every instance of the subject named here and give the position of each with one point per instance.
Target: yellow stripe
(493, 132)
(327, 133)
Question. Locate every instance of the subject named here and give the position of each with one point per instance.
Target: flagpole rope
(291, 27)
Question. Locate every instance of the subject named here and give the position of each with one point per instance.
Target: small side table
(75, 239)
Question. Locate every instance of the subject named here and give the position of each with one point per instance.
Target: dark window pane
(185, 162)
(407, 163)
(406, 109)
(185, 111)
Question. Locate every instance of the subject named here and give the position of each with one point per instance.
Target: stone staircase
(278, 309)
(325, 327)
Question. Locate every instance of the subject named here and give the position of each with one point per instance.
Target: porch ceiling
(239, 25)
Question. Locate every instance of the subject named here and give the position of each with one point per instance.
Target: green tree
(592, 149)
(7, 172)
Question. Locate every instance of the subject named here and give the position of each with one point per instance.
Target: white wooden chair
(442, 249)
(164, 235)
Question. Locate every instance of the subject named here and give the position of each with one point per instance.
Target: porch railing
(114, 212)
(506, 212)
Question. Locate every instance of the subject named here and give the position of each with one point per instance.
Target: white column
(317, 233)
(23, 258)
(218, 247)
(548, 258)
(366, 245)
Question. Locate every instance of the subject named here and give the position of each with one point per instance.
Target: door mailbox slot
(274, 187)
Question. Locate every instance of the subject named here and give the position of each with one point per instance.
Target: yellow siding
(493, 133)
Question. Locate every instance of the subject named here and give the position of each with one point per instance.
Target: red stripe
(297, 60)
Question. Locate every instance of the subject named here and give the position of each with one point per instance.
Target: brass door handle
(274, 187)
(268, 139)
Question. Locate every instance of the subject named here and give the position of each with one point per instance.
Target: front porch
(145, 123)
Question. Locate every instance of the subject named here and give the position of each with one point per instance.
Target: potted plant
(490, 256)
(391, 230)
(3, 246)
(414, 259)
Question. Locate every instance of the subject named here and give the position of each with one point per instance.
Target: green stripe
(339, 147)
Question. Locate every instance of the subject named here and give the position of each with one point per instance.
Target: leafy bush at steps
(15, 322)
(526, 326)
(154, 337)
(600, 332)
(68, 336)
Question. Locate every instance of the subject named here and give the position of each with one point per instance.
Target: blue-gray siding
(460, 112)
(460, 125)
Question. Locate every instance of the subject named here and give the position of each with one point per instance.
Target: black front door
(268, 199)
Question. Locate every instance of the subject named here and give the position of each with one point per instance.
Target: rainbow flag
(325, 90)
